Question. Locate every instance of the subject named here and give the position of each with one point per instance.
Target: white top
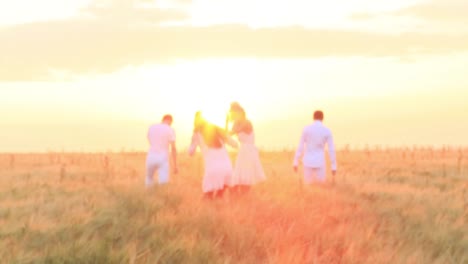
(313, 139)
(246, 139)
(160, 137)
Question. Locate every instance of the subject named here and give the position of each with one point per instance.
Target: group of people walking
(219, 174)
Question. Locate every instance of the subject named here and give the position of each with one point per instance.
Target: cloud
(435, 11)
(110, 40)
(438, 10)
(133, 12)
(361, 16)
(185, 2)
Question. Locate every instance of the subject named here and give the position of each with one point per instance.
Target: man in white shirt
(160, 137)
(314, 138)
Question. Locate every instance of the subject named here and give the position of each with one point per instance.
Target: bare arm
(235, 129)
(227, 123)
(174, 156)
(226, 138)
(300, 150)
(242, 126)
(331, 152)
(231, 142)
(193, 145)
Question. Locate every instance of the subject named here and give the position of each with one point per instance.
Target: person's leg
(321, 175)
(237, 189)
(308, 175)
(208, 195)
(219, 193)
(244, 189)
(150, 170)
(163, 172)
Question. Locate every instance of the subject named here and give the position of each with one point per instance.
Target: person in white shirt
(160, 137)
(248, 169)
(312, 146)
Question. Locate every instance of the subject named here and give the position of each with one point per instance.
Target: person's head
(318, 115)
(167, 119)
(237, 112)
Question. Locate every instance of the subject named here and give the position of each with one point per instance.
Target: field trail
(90, 211)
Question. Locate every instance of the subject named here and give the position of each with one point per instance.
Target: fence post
(444, 170)
(63, 171)
(367, 151)
(12, 161)
(106, 167)
(460, 162)
(465, 198)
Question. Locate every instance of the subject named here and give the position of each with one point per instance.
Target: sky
(92, 75)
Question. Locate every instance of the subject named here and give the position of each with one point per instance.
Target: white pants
(157, 162)
(312, 175)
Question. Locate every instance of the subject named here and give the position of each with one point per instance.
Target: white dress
(248, 169)
(218, 167)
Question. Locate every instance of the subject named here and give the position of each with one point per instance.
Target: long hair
(213, 136)
(198, 122)
(238, 109)
(241, 124)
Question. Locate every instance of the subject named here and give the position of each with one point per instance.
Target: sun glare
(208, 86)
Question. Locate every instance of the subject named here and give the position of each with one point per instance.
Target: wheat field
(407, 205)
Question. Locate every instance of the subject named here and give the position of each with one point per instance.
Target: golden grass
(387, 206)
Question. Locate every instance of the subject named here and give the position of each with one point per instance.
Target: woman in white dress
(248, 169)
(218, 168)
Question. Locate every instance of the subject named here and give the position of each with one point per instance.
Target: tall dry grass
(388, 206)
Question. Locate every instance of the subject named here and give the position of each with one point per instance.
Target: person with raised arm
(248, 169)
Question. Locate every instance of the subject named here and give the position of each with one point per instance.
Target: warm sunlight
(25, 11)
(116, 65)
(330, 14)
(347, 141)
(186, 87)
